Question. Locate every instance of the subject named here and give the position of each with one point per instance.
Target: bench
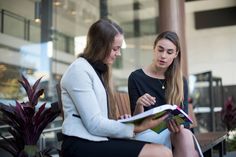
(209, 141)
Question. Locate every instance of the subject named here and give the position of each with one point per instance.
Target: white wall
(211, 49)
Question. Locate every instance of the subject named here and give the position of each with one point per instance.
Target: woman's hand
(173, 126)
(125, 116)
(149, 123)
(146, 100)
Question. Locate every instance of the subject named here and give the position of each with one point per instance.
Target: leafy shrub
(228, 114)
(26, 123)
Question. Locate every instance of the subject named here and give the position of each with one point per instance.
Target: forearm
(138, 109)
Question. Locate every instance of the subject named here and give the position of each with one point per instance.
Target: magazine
(173, 111)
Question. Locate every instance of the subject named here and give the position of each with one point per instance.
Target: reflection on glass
(10, 28)
(34, 33)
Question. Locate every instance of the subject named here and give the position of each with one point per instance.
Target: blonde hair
(174, 78)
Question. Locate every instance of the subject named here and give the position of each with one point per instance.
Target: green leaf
(26, 125)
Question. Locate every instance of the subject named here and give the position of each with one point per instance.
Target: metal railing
(29, 30)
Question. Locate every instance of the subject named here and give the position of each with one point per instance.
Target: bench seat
(208, 141)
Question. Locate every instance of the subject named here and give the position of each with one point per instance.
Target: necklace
(162, 84)
(153, 73)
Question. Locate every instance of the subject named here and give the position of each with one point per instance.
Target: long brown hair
(174, 78)
(100, 38)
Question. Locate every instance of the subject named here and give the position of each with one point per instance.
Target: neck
(155, 72)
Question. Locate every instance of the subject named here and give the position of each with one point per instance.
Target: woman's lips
(162, 62)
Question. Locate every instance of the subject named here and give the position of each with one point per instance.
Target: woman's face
(115, 51)
(164, 53)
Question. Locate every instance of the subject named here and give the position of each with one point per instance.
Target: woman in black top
(160, 83)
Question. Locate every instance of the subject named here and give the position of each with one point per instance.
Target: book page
(150, 112)
(174, 112)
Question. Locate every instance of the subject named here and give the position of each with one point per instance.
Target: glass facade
(45, 47)
(70, 21)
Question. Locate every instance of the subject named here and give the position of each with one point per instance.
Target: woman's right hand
(149, 123)
(146, 100)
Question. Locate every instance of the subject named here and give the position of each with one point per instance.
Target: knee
(155, 150)
(166, 152)
(163, 151)
(184, 132)
(182, 135)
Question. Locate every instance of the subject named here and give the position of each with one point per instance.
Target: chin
(110, 61)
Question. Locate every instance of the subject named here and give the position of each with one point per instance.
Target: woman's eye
(160, 50)
(115, 49)
(170, 52)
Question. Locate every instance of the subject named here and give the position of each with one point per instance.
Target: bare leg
(155, 150)
(183, 144)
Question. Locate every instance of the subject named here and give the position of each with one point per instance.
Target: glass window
(13, 25)
(34, 32)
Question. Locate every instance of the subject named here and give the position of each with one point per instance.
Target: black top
(139, 83)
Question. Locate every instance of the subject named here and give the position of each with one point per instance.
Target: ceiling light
(37, 11)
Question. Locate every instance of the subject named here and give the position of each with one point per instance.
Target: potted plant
(228, 115)
(26, 122)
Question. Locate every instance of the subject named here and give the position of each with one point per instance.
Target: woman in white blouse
(90, 128)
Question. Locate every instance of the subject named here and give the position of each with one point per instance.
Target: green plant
(27, 123)
(228, 114)
(231, 141)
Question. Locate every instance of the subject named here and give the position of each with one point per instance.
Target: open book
(174, 113)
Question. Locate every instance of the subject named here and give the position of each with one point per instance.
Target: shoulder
(79, 69)
(137, 77)
(79, 65)
(81, 62)
(138, 72)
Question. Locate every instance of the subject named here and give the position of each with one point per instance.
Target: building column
(46, 20)
(137, 32)
(172, 17)
(103, 9)
(47, 50)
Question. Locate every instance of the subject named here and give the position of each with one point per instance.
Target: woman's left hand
(173, 126)
(125, 116)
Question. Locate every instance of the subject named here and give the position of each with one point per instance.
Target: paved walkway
(230, 154)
